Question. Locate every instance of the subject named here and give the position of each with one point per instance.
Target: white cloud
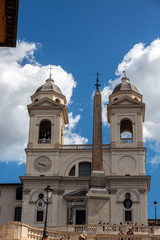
(143, 70)
(20, 76)
(107, 90)
(155, 161)
(70, 137)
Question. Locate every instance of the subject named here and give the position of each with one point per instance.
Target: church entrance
(80, 217)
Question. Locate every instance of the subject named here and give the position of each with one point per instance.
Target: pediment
(126, 101)
(45, 102)
(80, 193)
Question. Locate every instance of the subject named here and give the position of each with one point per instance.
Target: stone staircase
(21, 231)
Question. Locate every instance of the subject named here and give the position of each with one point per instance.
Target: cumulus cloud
(70, 137)
(20, 76)
(144, 72)
(107, 90)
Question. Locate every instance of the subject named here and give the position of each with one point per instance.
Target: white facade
(67, 168)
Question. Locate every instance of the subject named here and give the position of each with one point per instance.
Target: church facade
(91, 183)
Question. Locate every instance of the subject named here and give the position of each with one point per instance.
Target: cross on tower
(50, 68)
(97, 81)
(124, 71)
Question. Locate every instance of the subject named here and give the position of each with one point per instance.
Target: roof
(125, 85)
(49, 86)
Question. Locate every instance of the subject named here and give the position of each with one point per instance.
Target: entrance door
(80, 217)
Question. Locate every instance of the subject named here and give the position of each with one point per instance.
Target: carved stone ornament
(30, 145)
(142, 190)
(127, 164)
(26, 191)
(58, 191)
(112, 191)
(40, 203)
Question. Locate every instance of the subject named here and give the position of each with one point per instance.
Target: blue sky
(79, 38)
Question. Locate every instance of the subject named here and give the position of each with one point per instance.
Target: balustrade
(17, 230)
(44, 141)
(126, 140)
(85, 146)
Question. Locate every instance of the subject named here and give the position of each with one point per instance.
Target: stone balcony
(20, 231)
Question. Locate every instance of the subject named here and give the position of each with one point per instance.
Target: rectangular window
(84, 169)
(19, 193)
(39, 216)
(128, 216)
(17, 214)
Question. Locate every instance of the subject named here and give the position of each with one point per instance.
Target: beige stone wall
(8, 202)
(63, 161)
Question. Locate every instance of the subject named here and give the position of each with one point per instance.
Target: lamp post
(155, 205)
(71, 212)
(48, 191)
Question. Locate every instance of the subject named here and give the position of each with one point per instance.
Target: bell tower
(126, 115)
(129, 183)
(48, 116)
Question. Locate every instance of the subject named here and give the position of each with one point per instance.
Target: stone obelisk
(97, 176)
(97, 196)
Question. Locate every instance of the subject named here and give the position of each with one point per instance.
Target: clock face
(42, 164)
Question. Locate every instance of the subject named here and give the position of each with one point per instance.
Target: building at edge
(91, 183)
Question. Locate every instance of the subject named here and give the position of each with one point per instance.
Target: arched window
(19, 193)
(17, 214)
(45, 132)
(126, 131)
(84, 169)
(57, 100)
(72, 171)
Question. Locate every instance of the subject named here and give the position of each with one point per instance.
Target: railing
(37, 235)
(43, 141)
(18, 230)
(85, 146)
(115, 229)
(131, 237)
(126, 140)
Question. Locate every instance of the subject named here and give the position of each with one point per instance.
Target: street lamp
(48, 191)
(155, 205)
(71, 212)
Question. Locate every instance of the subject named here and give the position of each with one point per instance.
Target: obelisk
(97, 175)
(97, 196)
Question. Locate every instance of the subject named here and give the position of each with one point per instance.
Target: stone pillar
(97, 158)
(98, 199)
(97, 175)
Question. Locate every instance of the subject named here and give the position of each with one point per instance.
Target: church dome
(49, 86)
(125, 85)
